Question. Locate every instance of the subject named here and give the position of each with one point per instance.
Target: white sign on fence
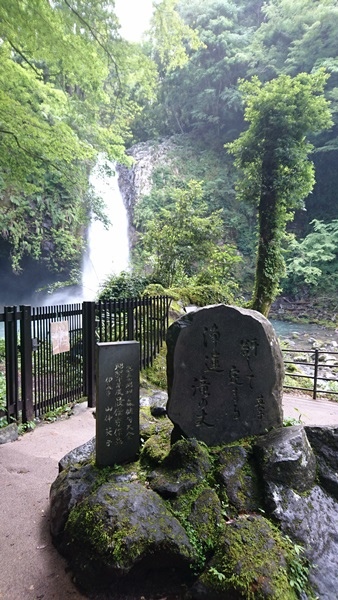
(59, 334)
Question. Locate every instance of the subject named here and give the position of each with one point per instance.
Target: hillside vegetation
(71, 87)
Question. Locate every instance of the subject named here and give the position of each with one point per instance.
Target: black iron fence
(42, 374)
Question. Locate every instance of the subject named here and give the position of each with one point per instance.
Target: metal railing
(57, 379)
(315, 367)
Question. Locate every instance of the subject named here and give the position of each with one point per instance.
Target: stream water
(303, 335)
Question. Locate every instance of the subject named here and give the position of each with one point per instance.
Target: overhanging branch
(25, 59)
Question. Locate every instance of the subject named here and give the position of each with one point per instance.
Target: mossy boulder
(310, 520)
(155, 449)
(79, 455)
(250, 561)
(70, 487)
(206, 516)
(124, 527)
(191, 513)
(186, 464)
(152, 425)
(237, 473)
(286, 457)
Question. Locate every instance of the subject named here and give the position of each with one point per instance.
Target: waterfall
(107, 248)
(107, 251)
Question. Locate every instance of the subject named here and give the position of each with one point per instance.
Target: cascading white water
(108, 249)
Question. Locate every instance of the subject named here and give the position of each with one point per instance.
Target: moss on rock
(150, 425)
(250, 560)
(236, 472)
(155, 449)
(187, 463)
(189, 518)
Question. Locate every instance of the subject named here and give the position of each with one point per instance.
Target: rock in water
(225, 375)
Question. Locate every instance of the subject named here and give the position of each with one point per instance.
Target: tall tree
(273, 156)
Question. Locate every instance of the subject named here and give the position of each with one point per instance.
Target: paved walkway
(30, 567)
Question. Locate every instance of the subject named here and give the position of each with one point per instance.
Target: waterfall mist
(108, 248)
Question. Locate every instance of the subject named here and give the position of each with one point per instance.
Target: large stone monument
(225, 375)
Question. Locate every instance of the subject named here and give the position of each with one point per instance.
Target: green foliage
(312, 262)
(180, 240)
(156, 375)
(272, 155)
(44, 225)
(215, 573)
(70, 87)
(290, 421)
(60, 411)
(169, 36)
(298, 570)
(123, 285)
(251, 552)
(199, 295)
(24, 427)
(202, 96)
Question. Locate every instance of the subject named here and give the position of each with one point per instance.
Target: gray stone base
(9, 433)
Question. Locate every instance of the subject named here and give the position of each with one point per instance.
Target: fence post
(26, 364)
(11, 351)
(130, 319)
(315, 376)
(88, 337)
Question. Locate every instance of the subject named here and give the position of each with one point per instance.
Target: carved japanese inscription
(117, 410)
(225, 374)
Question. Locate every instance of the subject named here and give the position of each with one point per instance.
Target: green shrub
(124, 285)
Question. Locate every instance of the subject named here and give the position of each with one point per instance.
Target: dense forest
(248, 93)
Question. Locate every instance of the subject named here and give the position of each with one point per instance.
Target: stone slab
(117, 407)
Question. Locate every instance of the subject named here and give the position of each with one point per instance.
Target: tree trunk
(270, 264)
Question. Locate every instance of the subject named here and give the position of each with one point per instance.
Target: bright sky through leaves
(134, 16)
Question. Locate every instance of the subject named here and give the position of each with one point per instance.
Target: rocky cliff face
(136, 181)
